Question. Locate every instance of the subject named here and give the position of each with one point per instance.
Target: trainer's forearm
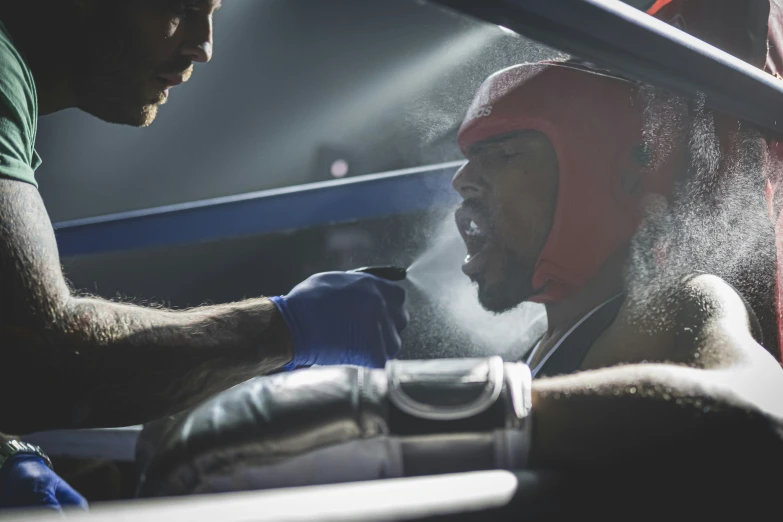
(100, 363)
(68, 361)
(653, 413)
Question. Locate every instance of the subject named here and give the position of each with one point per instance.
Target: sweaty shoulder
(717, 325)
(703, 323)
(18, 113)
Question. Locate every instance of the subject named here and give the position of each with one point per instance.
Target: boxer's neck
(563, 315)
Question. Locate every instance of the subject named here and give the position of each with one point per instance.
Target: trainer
(76, 362)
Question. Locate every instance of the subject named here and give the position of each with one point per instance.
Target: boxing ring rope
(410, 498)
(620, 37)
(276, 210)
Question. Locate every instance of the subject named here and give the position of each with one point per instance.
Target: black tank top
(569, 354)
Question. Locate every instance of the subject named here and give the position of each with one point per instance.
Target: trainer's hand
(26, 481)
(344, 318)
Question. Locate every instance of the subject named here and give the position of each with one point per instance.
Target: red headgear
(594, 122)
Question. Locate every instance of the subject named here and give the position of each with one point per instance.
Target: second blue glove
(27, 482)
(344, 318)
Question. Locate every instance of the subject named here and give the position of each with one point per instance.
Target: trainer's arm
(70, 362)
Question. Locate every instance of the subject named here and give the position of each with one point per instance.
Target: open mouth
(474, 229)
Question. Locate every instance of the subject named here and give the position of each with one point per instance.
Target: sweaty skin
(703, 378)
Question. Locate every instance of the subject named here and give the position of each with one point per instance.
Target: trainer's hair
(31, 21)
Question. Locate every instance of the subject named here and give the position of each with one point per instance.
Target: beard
(511, 290)
(506, 279)
(113, 102)
(115, 78)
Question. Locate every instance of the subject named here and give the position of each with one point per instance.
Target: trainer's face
(131, 52)
(509, 188)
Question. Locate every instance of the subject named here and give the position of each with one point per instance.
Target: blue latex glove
(26, 481)
(344, 318)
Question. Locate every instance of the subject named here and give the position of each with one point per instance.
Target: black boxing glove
(342, 424)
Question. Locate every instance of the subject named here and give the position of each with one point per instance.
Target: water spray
(449, 320)
(388, 272)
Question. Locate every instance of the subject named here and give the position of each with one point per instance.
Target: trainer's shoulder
(17, 85)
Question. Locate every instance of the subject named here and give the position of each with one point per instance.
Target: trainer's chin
(134, 115)
(148, 115)
(141, 115)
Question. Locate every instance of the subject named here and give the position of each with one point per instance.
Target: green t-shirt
(18, 114)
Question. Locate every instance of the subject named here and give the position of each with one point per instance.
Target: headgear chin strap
(594, 122)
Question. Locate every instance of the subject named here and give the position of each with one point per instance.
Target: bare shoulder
(703, 332)
(702, 323)
(707, 299)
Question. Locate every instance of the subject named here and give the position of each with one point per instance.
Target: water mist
(454, 305)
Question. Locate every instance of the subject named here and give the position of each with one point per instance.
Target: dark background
(293, 85)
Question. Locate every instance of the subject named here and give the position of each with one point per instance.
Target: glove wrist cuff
(293, 328)
(15, 447)
(486, 394)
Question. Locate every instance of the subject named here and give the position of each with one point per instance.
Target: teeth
(473, 229)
